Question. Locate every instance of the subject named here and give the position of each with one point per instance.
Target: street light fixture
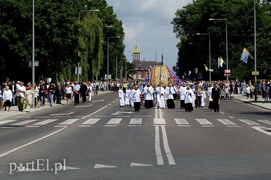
(207, 34)
(227, 55)
(107, 67)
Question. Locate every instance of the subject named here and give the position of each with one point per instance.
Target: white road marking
(83, 106)
(170, 158)
(6, 121)
(205, 123)
(91, 121)
(227, 123)
(99, 166)
(114, 121)
(265, 121)
(94, 112)
(222, 112)
(158, 152)
(136, 121)
(159, 156)
(139, 165)
(30, 143)
(181, 122)
(231, 117)
(24, 122)
(63, 114)
(45, 122)
(69, 121)
(261, 129)
(248, 122)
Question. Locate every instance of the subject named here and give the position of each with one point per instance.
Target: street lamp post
(207, 34)
(33, 51)
(107, 63)
(227, 55)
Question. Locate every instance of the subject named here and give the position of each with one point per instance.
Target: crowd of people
(190, 94)
(18, 94)
(131, 93)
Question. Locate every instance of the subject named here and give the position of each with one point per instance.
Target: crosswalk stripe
(45, 122)
(91, 121)
(227, 122)
(113, 122)
(248, 122)
(135, 122)
(265, 121)
(69, 121)
(6, 121)
(205, 123)
(24, 122)
(181, 122)
(159, 121)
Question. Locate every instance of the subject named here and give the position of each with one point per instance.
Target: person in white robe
(127, 99)
(189, 99)
(182, 95)
(169, 96)
(203, 96)
(148, 92)
(89, 91)
(160, 96)
(136, 98)
(121, 97)
(131, 96)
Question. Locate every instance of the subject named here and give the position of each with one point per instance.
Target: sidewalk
(14, 111)
(260, 101)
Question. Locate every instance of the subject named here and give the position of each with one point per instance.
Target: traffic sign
(255, 73)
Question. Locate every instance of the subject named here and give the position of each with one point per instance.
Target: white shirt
(68, 90)
(7, 95)
(23, 89)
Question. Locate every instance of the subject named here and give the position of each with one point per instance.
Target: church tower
(136, 54)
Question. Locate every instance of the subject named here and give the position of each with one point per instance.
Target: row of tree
(67, 32)
(239, 17)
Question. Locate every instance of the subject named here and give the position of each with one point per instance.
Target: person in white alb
(160, 96)
(127, 99)
(189, 99)
(169, 96)
(121, 97)
(89, 91)
(136, 98)
(148, 96)
(182, 95)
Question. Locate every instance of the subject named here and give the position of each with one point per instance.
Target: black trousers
(136, 106)
(76, 98)
(149, 104)
(170, 104)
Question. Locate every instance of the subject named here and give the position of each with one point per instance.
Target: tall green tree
(58, 38)
(194, 18)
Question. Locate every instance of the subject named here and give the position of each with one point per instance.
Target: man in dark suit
(12, 87)
(83, 91)
(216, 97)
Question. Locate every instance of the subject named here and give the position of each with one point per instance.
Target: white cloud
(148, 23)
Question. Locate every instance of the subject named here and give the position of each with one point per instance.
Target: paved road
(100, 140)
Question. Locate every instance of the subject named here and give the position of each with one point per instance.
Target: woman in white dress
(89, 91)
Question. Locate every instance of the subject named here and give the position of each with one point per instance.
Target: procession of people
(190, 94)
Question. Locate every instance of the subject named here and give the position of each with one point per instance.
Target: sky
(147, 24)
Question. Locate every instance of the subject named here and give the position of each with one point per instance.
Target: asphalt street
(100, 140)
